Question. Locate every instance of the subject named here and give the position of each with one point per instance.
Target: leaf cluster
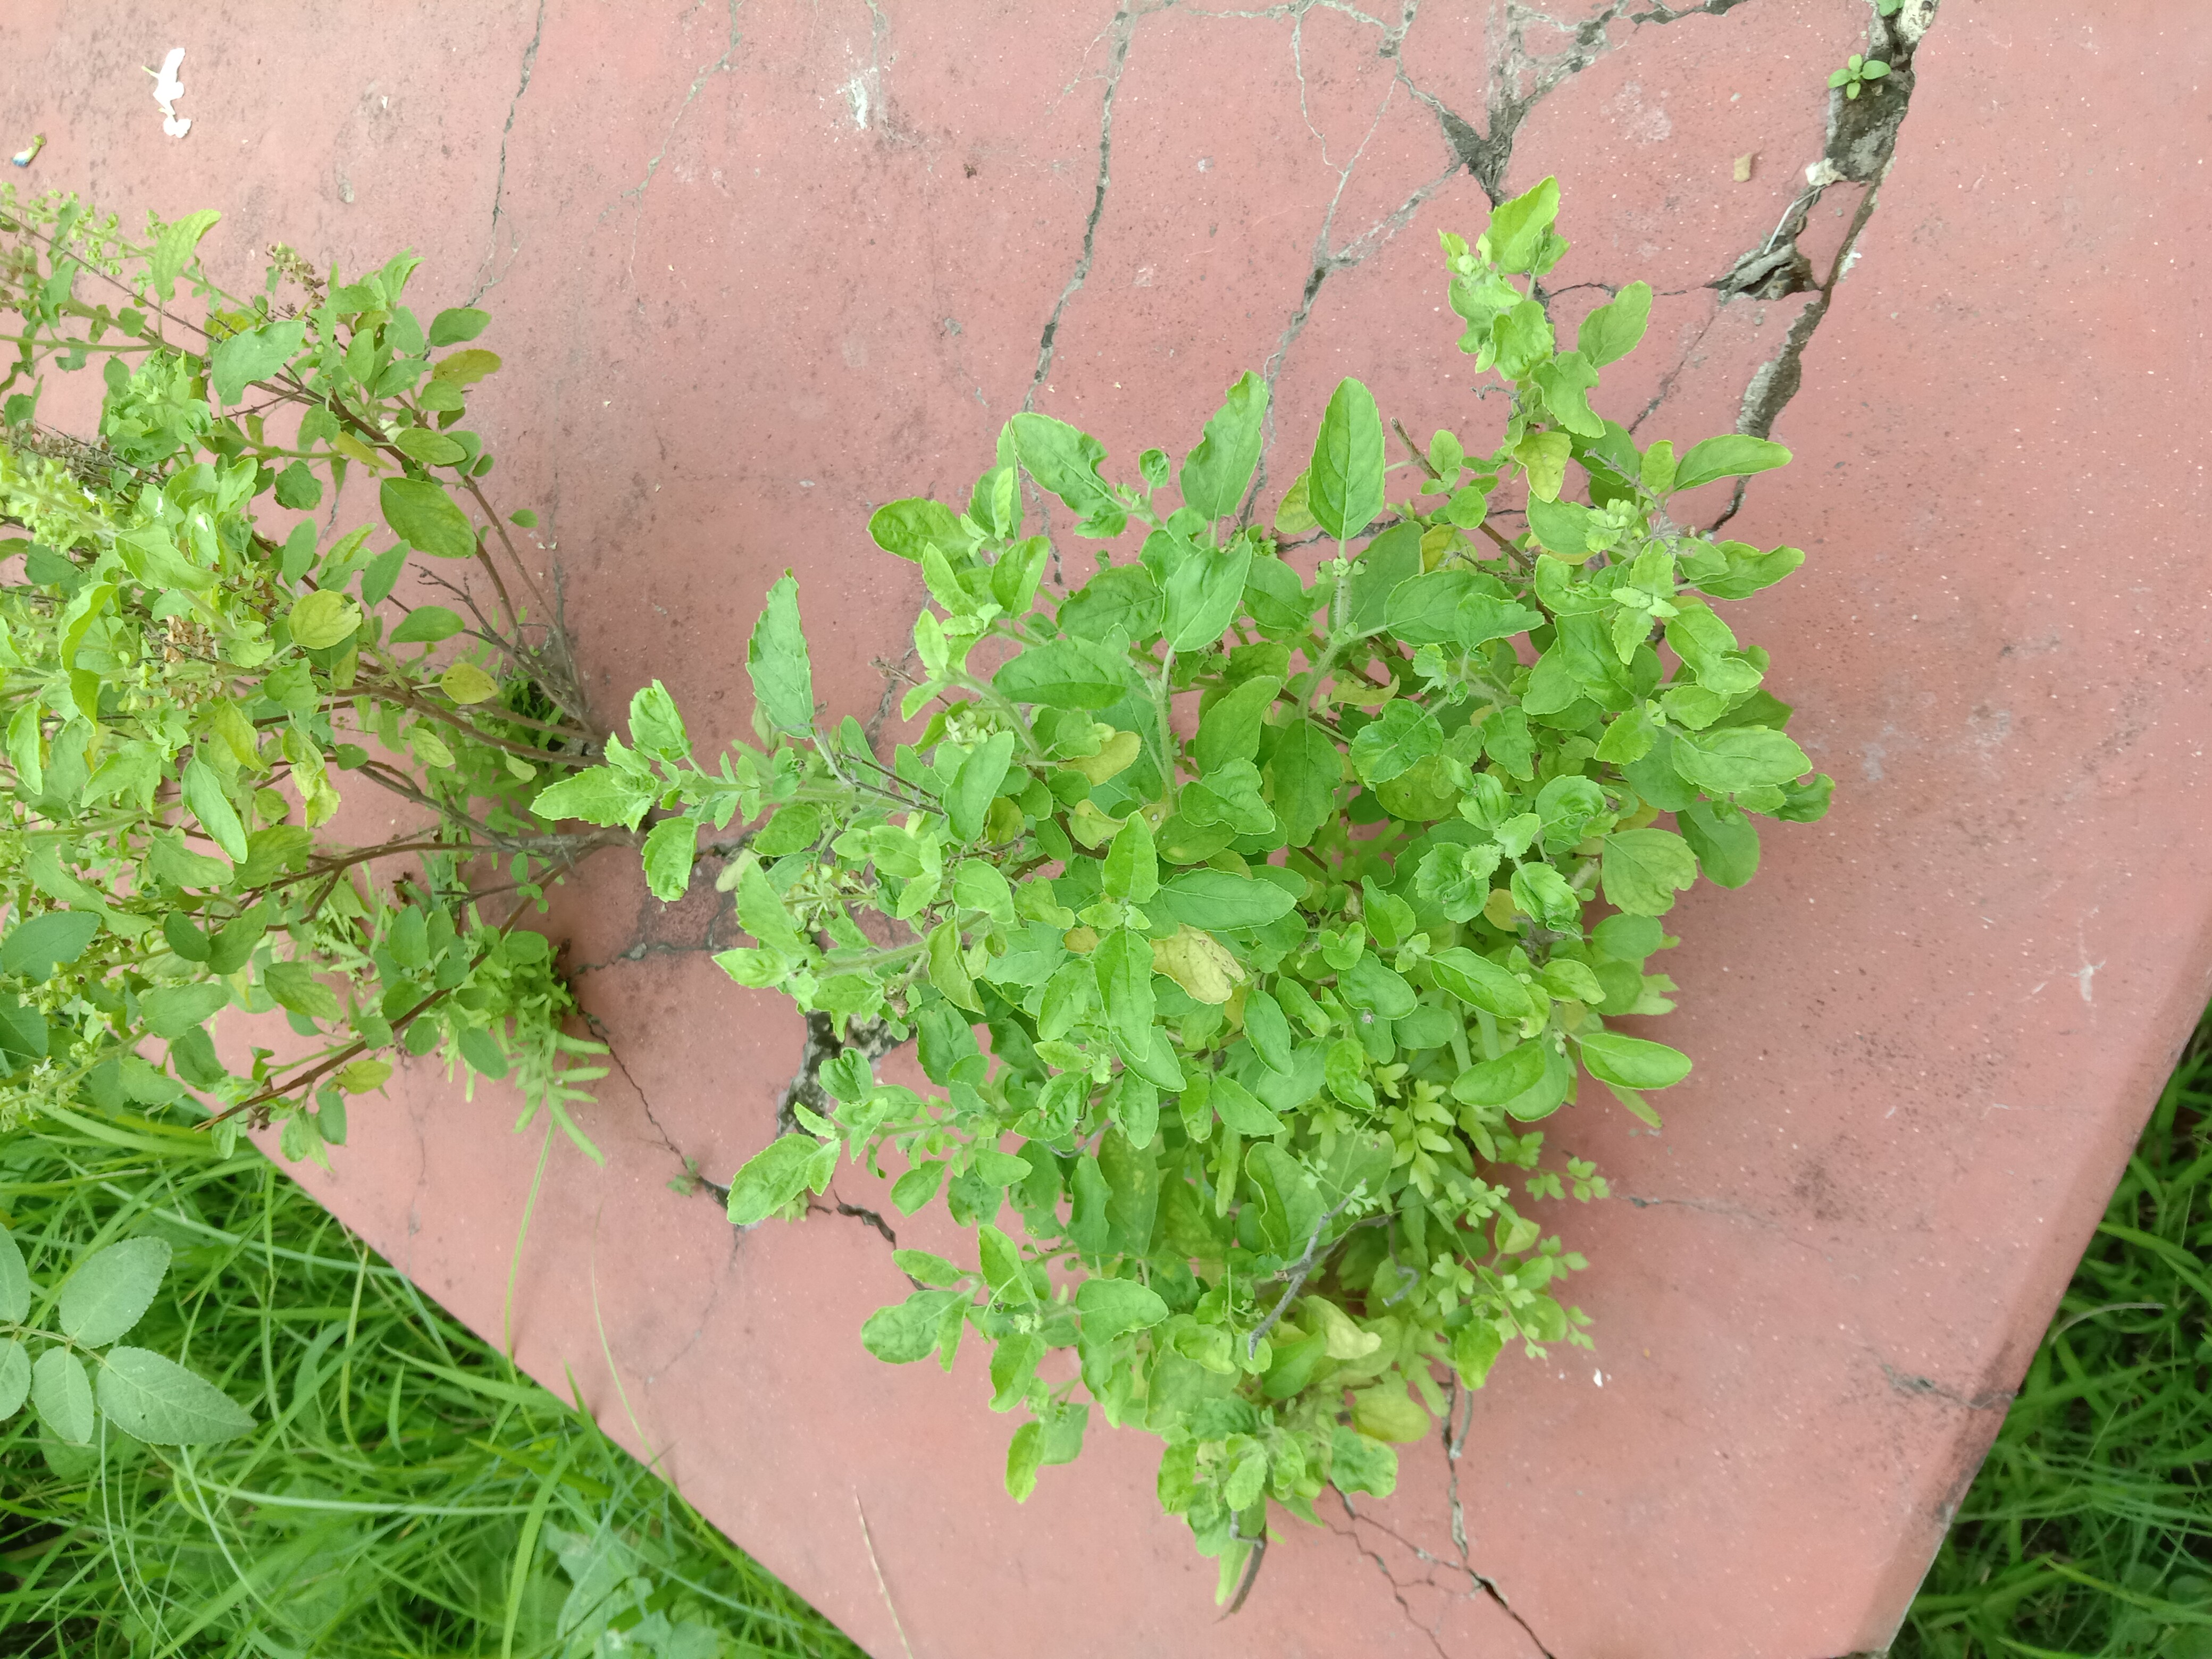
(1283, 907)
(198, 663)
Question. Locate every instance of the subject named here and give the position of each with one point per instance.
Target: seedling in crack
(1858, 72)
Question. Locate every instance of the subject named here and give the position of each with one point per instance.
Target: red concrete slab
(757, 268)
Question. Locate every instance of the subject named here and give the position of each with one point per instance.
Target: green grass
(2089, 1529)
(405, 1491)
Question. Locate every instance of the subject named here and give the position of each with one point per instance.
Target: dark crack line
(1927, 1387)
(1669, 380)
(872, 1038)
(485, 282)
(1860, 147)
(636, 193)
(894, 675)
(599, 1030)
(1122, 29)
(643, 949)
(1480, 1584)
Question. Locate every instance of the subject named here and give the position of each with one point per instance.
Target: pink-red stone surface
(756, 268)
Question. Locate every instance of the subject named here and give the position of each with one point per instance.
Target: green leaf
(23, 1029)
(1357, 1463)
(426, 625)
(158, 1401)
(1203, 595)
(948, 972)
(968, 802)
(669, 847)
(1518, 229)
(1344, 485)
(1216, 900)
(1111, 1306)
(61, 1395)
(15, 1376)
(1391, 560)
(603, 795)
(36, 945)
(1404, 734)
(1612, 331)
(1631, 1062)
(1543, 892)
(15, 1282)
(1566, 381)
(467, 368)
(423, 515)
(1726, 848)
(1066, 673)
(1229, 729)
(909, 1330)
(1481, 983)
(776, 660)
(110, 1291)
(1306, 768)
(1730, 456)
(1122, 596)
(1642, 869)
(254, 355)
(170, 1010)
(294, 987)
(205, 800)
(1217, 473)
(173, 250)
(1123, 964)
(1736, 758)
(1132, 868)
(1023, 1453)
(904, 528)
(774, 1175)
(1066, 462)
(322, 619)
(931, 1269)
(1495, 1082)
(457, 325)
(1293, 516)
(1268, 1031)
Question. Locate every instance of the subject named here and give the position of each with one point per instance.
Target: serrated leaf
(777, 663)
(110, 1291)
(252, 354)
(772, 1177)
(603, 794)
(669, 847)
(1642, 869)
(172, 249)
(1111, 1306)
(157, 1400)
(1216, 474)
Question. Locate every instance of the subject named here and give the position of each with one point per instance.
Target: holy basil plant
(1247, 922)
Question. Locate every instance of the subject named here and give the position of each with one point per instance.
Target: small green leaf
(15, 1376)
(1111, 1306)
(1480, 982)
(252, 354)
(426, 625)
(171, 1011)
(36, 945)
(603, 795)
(1642, 869)
(1023, 1453)
(1357, 1463)
(773, 1176)
(931, 1269)
(1732, 455)
(1517, 235)
(158, 1401)
(1217, 900)
(173, 250)
(1064, 673)
(669, 847)
(1123, 964)
(322, 619)
(909, 1330)
(111, 1289)
(206, 800)
(1736, 758)
(1631, 1062)
(423, 515)
(1132, 868)
(1216, 474)
(1612, 331)
(777, 662)
(968, 802)
(15, 1282)
(1344, 485)
(457, 325)
(61, 1395)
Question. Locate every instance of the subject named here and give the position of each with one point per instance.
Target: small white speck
(1598, 1378)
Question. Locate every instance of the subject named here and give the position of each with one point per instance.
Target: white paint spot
(167, 90)
(2088, 972)
(1598, 1378)
(856, 90)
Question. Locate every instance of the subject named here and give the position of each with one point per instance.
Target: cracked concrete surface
(751, 281)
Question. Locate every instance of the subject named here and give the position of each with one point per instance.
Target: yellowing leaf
(1115, 756)
(467, 368)
(1198, 962)
(352, 447)
(1387, 1412)
(465, 683)
(1346, 1340)
(363, 1075)
(322, 619)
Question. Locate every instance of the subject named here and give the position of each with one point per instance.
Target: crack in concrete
(641, 950)
(872, 1038)
(1859, 147)
(637, 191)
(1927, 1387)
(485, 282)
(1479, 1584)
(1122, 29)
